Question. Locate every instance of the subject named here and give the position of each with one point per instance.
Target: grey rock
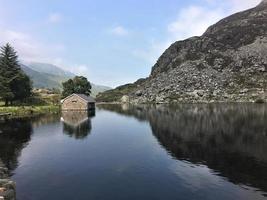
(159, 99)
(244, 91)
(199, 93)
(125, 99)
(138, 93)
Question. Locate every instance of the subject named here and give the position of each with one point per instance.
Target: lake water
(144, 152)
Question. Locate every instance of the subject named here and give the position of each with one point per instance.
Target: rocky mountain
(227, 63)
(50, 76)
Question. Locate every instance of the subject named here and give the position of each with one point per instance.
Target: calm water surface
(145, 152)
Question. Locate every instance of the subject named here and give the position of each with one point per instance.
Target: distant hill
(50, 76)
(96, 89)
(44, 80)
(49, 68)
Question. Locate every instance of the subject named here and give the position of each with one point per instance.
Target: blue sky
(111, 42)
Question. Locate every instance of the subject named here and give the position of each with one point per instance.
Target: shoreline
(177, 103)
(13, 112)
(7, 186)
(16, 112)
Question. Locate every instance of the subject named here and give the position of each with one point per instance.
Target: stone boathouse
(79, 102)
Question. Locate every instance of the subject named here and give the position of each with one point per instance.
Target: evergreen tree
(78, 85)
(14, 84)
(5, 92)
(21, 86)
(9, 65)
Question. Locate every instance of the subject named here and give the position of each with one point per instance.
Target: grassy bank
(24, 111)
(42, 102)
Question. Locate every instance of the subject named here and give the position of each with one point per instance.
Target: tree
(78, 85)
(14, 83)
(68, 88)
(5, 92)
(21, 86)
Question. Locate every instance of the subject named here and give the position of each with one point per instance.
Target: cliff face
(227, 63)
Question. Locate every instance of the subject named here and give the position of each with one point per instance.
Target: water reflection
(231, 139)
(77, 124)
(14, 136)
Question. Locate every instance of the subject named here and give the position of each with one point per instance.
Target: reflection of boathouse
(78, 102)
(77, 123)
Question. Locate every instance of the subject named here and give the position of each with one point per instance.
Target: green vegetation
(15, 85)
(42, 101)
(17, 99)
(116, 94)
(78, 85)
(259, 101)
(24, 111)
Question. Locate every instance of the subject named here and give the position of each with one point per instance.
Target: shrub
(259, 101)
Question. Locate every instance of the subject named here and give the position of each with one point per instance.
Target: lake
(205, 151)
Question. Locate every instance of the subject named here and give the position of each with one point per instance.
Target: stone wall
(74, 103)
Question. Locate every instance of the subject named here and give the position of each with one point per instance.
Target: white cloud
(55, 18)
(235, 5)
(119, 31)
(79, 69)
(193, 21)
(152, 53)
(30, 48)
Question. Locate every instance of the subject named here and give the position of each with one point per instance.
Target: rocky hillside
(227, 63)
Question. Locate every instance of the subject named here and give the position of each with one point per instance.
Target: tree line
(15, 85)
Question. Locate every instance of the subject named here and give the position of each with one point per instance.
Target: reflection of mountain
(77, 123)
(14, 136)
(231, 139)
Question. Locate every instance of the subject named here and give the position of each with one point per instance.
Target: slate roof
(89, 99)
(86, 98)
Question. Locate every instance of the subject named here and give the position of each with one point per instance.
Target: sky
(111, 42)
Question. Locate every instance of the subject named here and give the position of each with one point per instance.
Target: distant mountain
(49, 68)
(96, 89)
(44, 80)
(50, 76)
